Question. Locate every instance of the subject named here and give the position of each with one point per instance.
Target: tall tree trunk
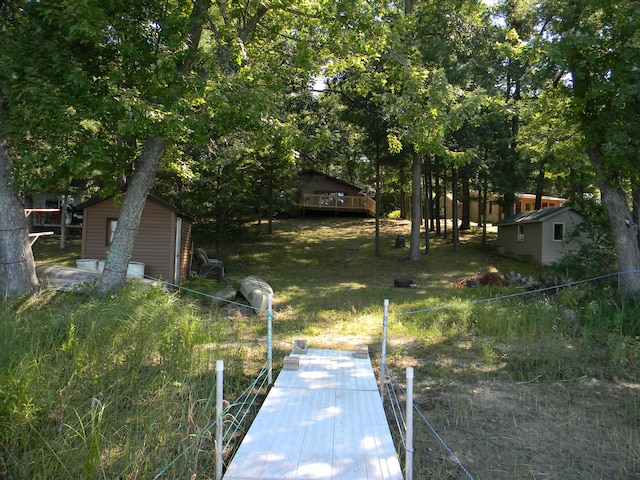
(483, 215)
(438, 194)
(465, 223)
(427, 211)
(416, 207)
(539, 187)
(17, 266)
(509, 204)
(430, 198)
(635, 196)
(64, 215)
(625, 230)
(378, 200)
(445, 211)
(454, 208)
(121, 248)
(405, 211)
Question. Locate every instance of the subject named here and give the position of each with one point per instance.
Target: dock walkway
(322, 421)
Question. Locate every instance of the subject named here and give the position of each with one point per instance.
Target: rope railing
(243, 405)
(206, 295)
(389, 384)
(396, 408)
(394, 385)
(512, 295)
(238, 410)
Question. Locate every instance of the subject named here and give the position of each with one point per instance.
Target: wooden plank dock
(324, 420)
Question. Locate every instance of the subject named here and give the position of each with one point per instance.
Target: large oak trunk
(625, 229)
(17, 266)
(121, 247)
(625, 233)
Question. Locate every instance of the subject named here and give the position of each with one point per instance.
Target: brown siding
(155, 239)
(538, 239)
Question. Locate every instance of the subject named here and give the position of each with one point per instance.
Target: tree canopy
(219, 105)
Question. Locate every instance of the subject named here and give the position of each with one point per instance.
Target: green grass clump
(110, 387)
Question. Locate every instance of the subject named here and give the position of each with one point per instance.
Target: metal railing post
(383, 355)
(219, 397)
(408, 472)
(270, 339)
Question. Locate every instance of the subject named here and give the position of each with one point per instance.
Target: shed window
(112, 224)
(558, 232)
(521, 233)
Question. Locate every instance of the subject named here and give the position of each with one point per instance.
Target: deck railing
(312, 201)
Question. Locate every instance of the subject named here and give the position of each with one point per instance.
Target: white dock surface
(323, 421)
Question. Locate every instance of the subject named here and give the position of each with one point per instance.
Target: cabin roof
(534, 216)
(311, 172)
(168, 206)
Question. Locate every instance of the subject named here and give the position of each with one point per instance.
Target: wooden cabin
(540, 235)
(162, 243)
(323, 193)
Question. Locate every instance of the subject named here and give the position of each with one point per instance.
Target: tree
(17, 266)
(156, 66)
(47, 62)
(598, 44)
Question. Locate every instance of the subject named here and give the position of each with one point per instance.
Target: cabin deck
(322, 421)
(339, 203)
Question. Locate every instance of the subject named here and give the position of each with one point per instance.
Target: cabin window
(112, 224)
(558, 232)
(521, 233)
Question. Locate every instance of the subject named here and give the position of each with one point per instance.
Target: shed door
(178, 252)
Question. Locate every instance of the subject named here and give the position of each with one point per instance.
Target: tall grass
(123, 386)
(110, 388)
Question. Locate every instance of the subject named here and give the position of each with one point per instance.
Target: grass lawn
(541, 386)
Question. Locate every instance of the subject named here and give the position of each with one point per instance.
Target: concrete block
(291, 363)
(300, 347)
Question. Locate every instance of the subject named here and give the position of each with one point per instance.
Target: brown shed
(162, 242)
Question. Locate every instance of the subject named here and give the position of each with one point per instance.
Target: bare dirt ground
(586, 429)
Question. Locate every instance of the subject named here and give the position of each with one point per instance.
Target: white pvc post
(408, 473)
(270, 339)
(383, 355)
(219, 396)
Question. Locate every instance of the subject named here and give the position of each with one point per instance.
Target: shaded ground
(499, 428)
(587, 429)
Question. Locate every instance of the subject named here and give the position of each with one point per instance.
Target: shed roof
(168, 206)
(534, 216)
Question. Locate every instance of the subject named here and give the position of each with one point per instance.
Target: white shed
(541, 235)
